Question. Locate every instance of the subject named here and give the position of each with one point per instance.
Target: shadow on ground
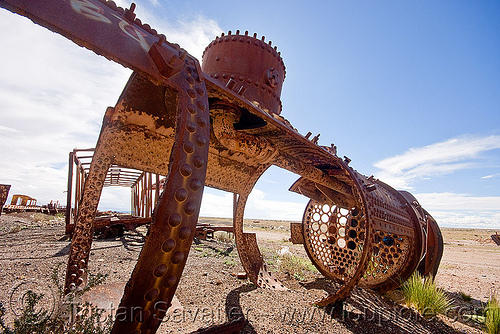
(233, 306)
(365, 311)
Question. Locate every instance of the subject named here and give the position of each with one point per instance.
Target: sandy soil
(470, 264)
(210, 293)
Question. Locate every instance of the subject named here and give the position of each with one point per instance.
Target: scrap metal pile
(25, 203)
(219, 125)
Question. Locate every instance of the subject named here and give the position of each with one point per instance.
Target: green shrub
(492, 316)
(295, 266)
(90, 321)
(84, 319)
(423, 295)
(224, 237)
(31, 320)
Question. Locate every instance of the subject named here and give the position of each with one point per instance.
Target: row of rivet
(181, 194)
(248, 40)
(82, 241)
(249, 80)
(114, 6)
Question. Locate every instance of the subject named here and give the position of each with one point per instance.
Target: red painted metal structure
(220, 125)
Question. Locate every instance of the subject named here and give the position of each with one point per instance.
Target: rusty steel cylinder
(248, 66)
(378, 243)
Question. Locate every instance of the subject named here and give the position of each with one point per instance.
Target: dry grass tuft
(423, 295)
(295, 266)
(224, 237)
(492, 316)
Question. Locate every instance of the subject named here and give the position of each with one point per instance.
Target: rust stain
(220, 125)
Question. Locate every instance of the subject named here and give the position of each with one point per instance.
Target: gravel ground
(210, 292)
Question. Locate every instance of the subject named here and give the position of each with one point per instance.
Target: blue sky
(410, 91)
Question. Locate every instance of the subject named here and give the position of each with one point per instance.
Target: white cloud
(448, 208)
(116, 199)
(260, 207)
(216, 204)
(480, 220)
(458, 202)
(6, 130)
(192, 33)
(435, 159)
(490, 176)
(53, 95)
(220, 204)
(462, 210)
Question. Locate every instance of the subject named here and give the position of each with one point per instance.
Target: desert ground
(33, 247)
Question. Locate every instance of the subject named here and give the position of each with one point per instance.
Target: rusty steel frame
(21, 203)
(219, 125)
(145, 186)
(145, 192)
(23, 200)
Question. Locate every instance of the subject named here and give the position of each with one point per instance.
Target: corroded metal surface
(220, 125)
(206, 231)
(397, 237)
(19, 203)
(338, 236)
(296, 233)
(4, 193)
(165, 251)
(248, 250)
(496, 238)
(76, 271)
(248, 66)
(23, 200)
(434, 249)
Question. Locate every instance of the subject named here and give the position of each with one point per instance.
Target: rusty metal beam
(220, 124)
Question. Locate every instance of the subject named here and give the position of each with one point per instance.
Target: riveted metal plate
(296, 233)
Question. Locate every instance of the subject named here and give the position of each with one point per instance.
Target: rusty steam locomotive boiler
(220, 125)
